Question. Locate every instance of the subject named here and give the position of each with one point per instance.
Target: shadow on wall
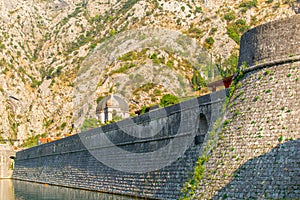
(202, 129)
(274, 175)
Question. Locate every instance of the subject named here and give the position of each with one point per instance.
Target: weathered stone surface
(75, 161)
(272, 41)
(258, 152)
(6, 163)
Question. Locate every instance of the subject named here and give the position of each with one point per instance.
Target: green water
(21, 190)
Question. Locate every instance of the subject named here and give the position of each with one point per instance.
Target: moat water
(22, 190)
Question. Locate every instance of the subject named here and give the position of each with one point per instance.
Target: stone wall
(258, 151)
(90, 160)
(271, 42)
(6, 163)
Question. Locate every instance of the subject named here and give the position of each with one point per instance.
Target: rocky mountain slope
(58, 55)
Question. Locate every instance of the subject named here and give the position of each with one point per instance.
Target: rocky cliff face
(45, 44)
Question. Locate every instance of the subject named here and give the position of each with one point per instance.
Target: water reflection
(6, 189)
(21, 190)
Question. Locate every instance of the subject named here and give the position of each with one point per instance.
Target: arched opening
(202, 129)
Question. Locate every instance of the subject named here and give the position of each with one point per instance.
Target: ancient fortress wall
(80, 161)
(256, 155)
(258, 151)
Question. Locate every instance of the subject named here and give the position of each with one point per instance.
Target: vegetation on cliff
(43, 45)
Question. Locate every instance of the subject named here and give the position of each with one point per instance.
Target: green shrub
(195, 32)
(268, 91)
(75, 13)
(267, 72)
(280, 138)
(168, 99)
(35, 83)
(236, 29)
(48, 122)
(213, 30)
(93, 46)
(248, 4)
(157, 92)
(58, 70)
(198, 81)
(209, 42)
(97, 18)
(116, 118)
(198, 9)
(2, 139)
(90, 123)
(144, 109)
(153, 56)
(33, 140)
(63, 125)
(156, 60)
(228, 67)
(128, 56)
(113, 32)
(170, 64)
(128, 5)
(123, 68)
(2, 46)
(229, 16)
(227, 121)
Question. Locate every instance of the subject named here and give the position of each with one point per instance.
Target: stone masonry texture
(272, 41)
(257, 155)
(68, 162)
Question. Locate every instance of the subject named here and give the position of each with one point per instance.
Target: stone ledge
(272, 63)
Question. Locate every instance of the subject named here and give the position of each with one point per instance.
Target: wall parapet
(58, 146)
(272, 63)
(277, 40)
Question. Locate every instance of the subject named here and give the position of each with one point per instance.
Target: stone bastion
(257, 152)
